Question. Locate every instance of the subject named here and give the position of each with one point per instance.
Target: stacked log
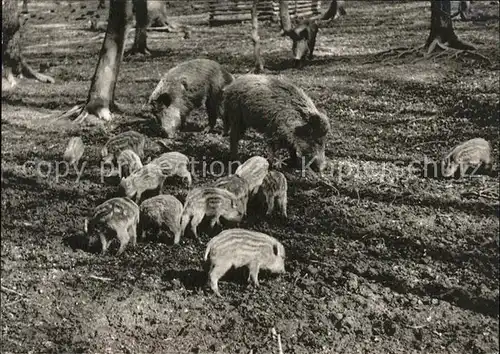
(234, 11)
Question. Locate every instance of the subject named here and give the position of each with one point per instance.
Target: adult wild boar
(186, 87)
(282, 111)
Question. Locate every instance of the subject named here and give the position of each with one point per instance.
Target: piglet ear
(86, 226)
(184, 84)
(275, 250)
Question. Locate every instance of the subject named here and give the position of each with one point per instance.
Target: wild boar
(119, 215)
(98, 26)
(174, 164)
(274, 188)
(162, 215)
(157, 13)
(236, 185)
(239, 247)
(186, 87)
(128, 162)
(304, 34)
(472, 153)
(253, 170)
(282, 111)
(212, 203)
(74, 150)
(149, 177)
(128, 140)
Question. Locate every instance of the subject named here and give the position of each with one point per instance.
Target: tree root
(86, 113)
(141, 51)
(29, 72)
(438, 50)
(434, 52)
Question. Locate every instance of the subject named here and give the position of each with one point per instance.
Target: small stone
(312, 270)
(352, 282)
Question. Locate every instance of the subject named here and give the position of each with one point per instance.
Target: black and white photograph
(250, 177)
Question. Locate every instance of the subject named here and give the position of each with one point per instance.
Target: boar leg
(215, 274)
(293, 155)
(184, 173)
(177, 236)
(160, 187)
(234, 138)
(211, 106)
(132, 231)
(185, 219)
(123, 237)
(282, 202)
(195, 221)
(226, 124)
(138, 197)
(213, 222)
(104, 243)
(270, 203)
(253, 275)
(245, 205)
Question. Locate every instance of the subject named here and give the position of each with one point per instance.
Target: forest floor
(381, 260)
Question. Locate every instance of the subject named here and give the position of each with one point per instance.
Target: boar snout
(298, 63)
(169, 120)
(278, 266)
(319, 162)
(449, 169)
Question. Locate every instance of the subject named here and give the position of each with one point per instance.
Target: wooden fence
(234, 11)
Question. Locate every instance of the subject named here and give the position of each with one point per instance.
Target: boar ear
(319, 124)
(290, 33)
(304, 34)
(275, 249)
(303, 130)
(300, 32)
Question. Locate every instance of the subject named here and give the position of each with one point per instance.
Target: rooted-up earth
(380, 259)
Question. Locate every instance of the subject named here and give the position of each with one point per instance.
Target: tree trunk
(13, 63)
(442, 33)
(102, 88)
(259, 64)
(141, 25)
(25, 6)
(286, 23)
(102, 4)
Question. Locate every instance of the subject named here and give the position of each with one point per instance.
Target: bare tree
(101, 95)
(141, 24)
(13, 63)
(102, 4)
(259, 63)
(442, 33)
(303, 35)
(25, 7)
(442, 41)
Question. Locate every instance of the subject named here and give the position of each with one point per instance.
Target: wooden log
(240, 8)
(233, 13)
(217, 22)
(236, 18)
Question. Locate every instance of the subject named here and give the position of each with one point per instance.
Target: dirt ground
(381, 260)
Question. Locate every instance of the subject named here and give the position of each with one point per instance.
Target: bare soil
(381, 259)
